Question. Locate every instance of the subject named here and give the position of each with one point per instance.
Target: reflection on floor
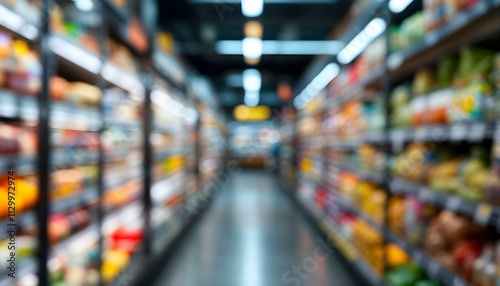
(253, 236)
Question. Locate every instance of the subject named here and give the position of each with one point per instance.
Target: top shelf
(17, 24)
(467, 27)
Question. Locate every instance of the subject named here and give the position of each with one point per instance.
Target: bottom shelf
(344, 245)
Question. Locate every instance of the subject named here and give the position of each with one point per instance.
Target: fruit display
(408, 274)
(20, 69)
(370, 244)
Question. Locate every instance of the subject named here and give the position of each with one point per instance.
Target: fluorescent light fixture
(398, 6)
(321, 81)
(253, 29)
(84, 5)
(252, 98)
(252, 48)
(121, 79)
(17, 24)
(299, 102)
(252, 80)
(76, 55)
(355, 47)
(252, 8)
(271, 47)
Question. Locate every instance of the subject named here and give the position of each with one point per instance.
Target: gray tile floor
(252, 235)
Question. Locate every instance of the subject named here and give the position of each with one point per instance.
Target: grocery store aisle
(252, 235)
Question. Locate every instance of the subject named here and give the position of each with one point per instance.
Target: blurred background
(250, 142)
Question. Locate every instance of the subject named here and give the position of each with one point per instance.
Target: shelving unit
(332, 165)
(109, 170)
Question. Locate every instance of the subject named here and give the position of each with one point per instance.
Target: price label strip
(421, 134)
(453, 203)
(426, 195)
(477, 132)
(458, 132)
(483, 214)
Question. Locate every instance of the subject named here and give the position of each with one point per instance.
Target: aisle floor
(252, 235)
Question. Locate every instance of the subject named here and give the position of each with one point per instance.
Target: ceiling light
(252, 8)
(252, 80)
(325, 76)
(253, 29)
(84, 5)
(299, 102)
(320, 82)
(398, 6)
(252, 98)
(355, 47)
(252, 48)
(271, 47)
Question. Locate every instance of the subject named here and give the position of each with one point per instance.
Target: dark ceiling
(197, 25)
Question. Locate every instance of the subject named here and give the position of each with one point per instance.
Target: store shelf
(171, 151)
(375, 177)
(23, 220)
(90, 234)
(465, 28)
(465, 131)
(376, 137)
(128, 124)
(71, 157)
(119, 13)
(21, 164)
(352, 92)
(169, 68)
(168, 129)
(433, 268)
(128, 82)
(17, 24)
(483, 213)
(83, 198)
(76, 60)
(356, 261)
(63, 115)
